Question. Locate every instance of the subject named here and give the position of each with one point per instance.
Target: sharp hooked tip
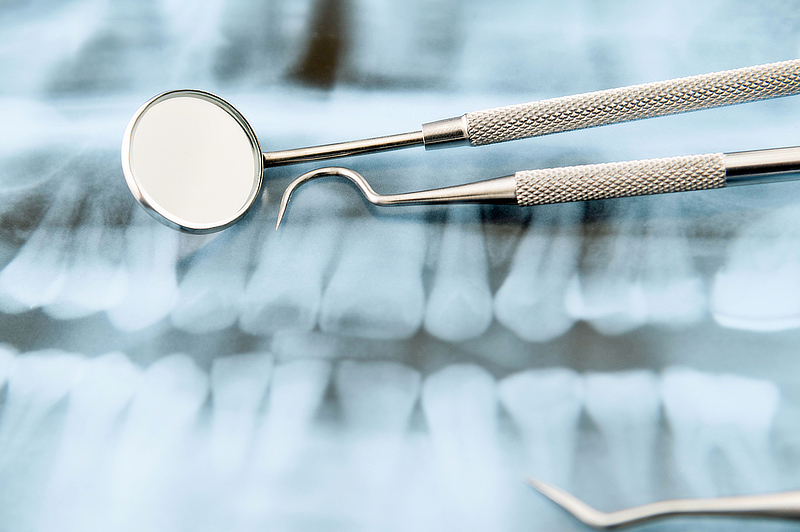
(334, 171)
(532, 482)
(281, 212)
(572, 505)
(542, 487)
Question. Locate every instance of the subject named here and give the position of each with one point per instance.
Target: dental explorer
(781, 505)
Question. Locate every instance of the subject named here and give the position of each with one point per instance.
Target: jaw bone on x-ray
(365, 368)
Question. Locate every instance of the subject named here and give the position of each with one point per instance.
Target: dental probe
(782, 505)
(590, 182)
(194, 163)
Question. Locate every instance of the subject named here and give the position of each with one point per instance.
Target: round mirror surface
(192, 160)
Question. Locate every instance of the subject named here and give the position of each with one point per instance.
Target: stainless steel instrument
(590, 182)
(783, 505)
(192, 160)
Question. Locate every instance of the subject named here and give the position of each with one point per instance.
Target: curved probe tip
(337, 171)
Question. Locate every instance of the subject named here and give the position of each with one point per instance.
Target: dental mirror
(192, 160)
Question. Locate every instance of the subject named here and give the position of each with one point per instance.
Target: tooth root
(376, 289)
(96, 277)
(460, 406)
(377, 396)
(152, 443)
(390, 42)
(254, 53)
(724, 414)
(531, 300)
(36, 383)
(285, 291)
(23, 209)
(38, 273)
(76, 486)
(626, 407)
(151, 253)
(460, 303)
(210, 294)
(29, 430)
(376, 400)
(673, 292)
(238, 385)
(758, 288)
(296, 394)
(608, 293)
(546, 406)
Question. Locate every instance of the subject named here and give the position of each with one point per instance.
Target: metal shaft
(782, 505)
(569, 113)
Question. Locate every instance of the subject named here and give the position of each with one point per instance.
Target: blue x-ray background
(387, 369)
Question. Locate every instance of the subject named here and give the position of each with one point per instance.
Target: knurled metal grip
(613, 180)
(633, 103)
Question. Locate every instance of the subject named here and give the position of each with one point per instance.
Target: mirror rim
(150, 205)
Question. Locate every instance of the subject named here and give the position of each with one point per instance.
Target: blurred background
(388, 369)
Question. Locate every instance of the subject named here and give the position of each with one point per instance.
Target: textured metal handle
(633, 103)
(614, 180)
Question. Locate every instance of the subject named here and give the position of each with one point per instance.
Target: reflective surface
(192, 160)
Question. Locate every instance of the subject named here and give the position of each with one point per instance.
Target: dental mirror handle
(580, 111)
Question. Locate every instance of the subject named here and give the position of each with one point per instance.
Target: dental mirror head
(192, 161)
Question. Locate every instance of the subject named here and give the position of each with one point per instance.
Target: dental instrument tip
(350, 175)
(574, 506)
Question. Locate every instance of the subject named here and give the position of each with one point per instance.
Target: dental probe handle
(568, 113)
(655, 176)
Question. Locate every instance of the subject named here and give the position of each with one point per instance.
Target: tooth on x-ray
(674, 293)
(238, 386)
(460, 303)
(77, 488)
(530, 301)
(260, 41)
(210, 294)
(758, 288)
(40, 270)
(96, 279)
(391, 41)
(295, 395)
(607, 292)
(724, 414)
(376, 395)
(151, 254)
(460, 406)
(546, 405)
(36, 383)
(29, 430)
(285, 290)
(376, 399)
(146, 488)
(376, 288)
(626, 407)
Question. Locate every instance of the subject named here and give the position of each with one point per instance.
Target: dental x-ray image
(401, 369)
